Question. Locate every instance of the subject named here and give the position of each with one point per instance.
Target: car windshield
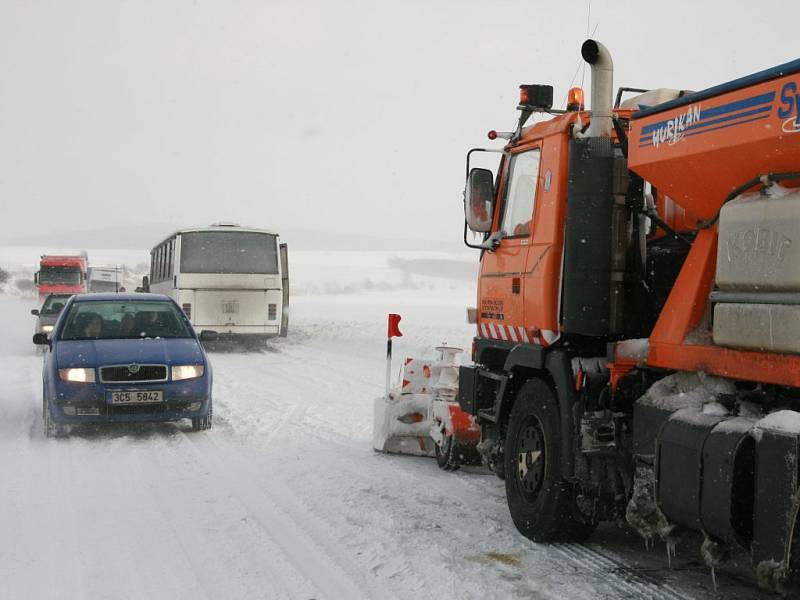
(53, 305)
(119, 319)
(60, 275)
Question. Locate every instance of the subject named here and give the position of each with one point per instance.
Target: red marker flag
(394, 326)
(394, 331)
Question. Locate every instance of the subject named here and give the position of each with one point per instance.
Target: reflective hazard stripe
(497, 331)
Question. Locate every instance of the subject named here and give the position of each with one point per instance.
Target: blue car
(123, 357)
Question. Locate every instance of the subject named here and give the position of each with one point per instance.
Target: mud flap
(775, 504)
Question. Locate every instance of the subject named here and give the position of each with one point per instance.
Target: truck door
(503, 271)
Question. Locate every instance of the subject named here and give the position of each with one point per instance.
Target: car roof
(126, 297)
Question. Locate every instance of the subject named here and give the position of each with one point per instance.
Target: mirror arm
(490, 243)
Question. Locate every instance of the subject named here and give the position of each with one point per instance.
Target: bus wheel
(539, 499)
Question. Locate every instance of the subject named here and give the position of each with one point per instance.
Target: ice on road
(284, 497)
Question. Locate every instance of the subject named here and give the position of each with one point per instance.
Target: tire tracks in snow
(622, 580)
(302, 536)
(218, 548)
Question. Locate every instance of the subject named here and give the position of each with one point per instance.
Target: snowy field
(284, 497)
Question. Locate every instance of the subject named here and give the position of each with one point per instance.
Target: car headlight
(187, 372)
(47, 328)
(78, 375)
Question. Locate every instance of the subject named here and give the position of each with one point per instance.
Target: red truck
(61, 274)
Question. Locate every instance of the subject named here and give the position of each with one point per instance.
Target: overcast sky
(339, 116)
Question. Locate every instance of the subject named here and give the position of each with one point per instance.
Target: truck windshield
(60, 275)
(121, 319)
(229, 252)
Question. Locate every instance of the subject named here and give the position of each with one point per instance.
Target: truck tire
(540, 501)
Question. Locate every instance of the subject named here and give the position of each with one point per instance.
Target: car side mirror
(40, 339)
(35, 312)
(479, 200)
(208, 336)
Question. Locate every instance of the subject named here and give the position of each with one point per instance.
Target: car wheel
(51, 428)
(203, 423)
(540, 501)
(446, 456)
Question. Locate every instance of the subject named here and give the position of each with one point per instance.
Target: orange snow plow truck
(637, 354)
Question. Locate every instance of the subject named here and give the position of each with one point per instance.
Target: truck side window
(520, 193)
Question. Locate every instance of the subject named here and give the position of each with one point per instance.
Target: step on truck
(637, 353)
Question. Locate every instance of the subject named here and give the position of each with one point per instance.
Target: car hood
(94, 353)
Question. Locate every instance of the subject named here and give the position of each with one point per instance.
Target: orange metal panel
(689, 296)
(699, 152)
(764, 367)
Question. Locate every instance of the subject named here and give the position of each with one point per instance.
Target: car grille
(130, 373)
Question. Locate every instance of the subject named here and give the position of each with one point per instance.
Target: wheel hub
(530, 458)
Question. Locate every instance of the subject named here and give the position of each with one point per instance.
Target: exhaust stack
(599, 58)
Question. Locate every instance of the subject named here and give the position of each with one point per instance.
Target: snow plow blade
(401, 425)
(421, 416)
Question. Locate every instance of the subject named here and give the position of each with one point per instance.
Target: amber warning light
(575, 99)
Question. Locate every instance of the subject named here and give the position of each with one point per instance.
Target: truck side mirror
(35, 312)
(479, 200)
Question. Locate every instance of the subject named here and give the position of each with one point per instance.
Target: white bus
(228, 279)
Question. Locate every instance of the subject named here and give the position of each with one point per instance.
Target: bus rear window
(229, 252)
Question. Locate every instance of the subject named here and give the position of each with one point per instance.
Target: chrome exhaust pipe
(599, 58)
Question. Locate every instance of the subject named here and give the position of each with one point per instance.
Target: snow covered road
(284, 497)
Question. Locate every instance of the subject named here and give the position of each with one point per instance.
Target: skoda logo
(133, 368)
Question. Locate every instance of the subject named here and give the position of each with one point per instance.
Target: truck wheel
(539, 499)
(446, 456)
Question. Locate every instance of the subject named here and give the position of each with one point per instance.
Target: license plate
(230, 308)
(137, 397)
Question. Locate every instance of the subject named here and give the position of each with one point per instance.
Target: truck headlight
(77, 375)
(187, 372)
(47, 328)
